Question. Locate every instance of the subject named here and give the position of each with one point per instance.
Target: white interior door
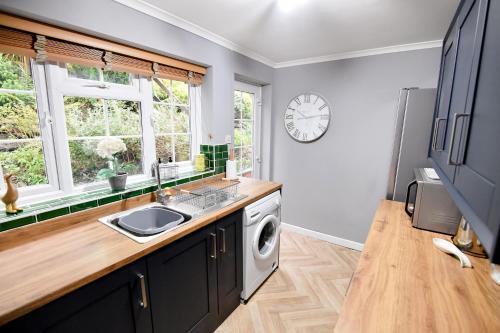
(247, 124)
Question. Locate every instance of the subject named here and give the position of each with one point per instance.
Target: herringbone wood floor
(304, 295)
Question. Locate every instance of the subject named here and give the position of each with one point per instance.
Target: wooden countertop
(404, 284)
(42, 262)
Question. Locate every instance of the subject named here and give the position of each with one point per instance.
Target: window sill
(57, 207)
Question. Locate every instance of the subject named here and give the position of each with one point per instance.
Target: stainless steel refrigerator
(413, 126)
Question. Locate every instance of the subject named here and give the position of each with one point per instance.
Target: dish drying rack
(207, 196)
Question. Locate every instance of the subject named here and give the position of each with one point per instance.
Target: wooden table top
(42, 262)
(404, 284)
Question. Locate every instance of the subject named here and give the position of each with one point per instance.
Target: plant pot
(118, 182)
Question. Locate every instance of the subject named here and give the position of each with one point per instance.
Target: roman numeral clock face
(307, 117)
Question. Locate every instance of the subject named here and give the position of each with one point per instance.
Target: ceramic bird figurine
(10, 197)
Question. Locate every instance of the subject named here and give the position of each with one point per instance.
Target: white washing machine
(261, 242)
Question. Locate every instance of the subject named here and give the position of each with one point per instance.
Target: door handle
(410, 185)
(223, 240)
(456, 116)
(436, 133)
(213, 237)
(143, 301)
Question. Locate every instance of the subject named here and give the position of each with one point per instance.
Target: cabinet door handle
(223, 240)
(213, 255)
(143, 301)
(456, 116)
(436, 132)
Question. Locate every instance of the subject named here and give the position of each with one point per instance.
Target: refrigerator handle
(407, 201)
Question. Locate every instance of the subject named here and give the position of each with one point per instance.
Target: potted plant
(109, 148)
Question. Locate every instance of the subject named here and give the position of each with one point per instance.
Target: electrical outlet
(229, 139)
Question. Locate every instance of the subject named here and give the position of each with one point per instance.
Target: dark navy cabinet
(229, 264)
(191, 285)
(115, 303)
(466, 132)
(196, 283)
(183, 284)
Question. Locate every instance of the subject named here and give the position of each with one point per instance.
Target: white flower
(107, 147)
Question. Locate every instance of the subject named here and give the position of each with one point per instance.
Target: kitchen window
(54, 148)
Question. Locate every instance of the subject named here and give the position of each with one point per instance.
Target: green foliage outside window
(18, 112)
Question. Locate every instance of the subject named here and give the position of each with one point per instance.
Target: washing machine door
(266, 237)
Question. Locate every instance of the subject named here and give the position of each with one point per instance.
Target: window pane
(182, 148)
(124, 117)
(84, 116)
(25, 160)
(88, 117)
(163, 147)
(132, 158)
(181, 119)
(19, 116)
(237, 104)
(15, 72)
(247, 105)
(85, 163)
(82, 72)
(180, 92)
(161, 90)
(117, 77)
(162, 119)
(21, 150)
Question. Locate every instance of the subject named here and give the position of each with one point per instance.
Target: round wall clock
(307, 117)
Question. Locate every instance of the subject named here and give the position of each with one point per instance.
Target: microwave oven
(429, 205)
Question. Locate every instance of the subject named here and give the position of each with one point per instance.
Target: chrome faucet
(161, 196)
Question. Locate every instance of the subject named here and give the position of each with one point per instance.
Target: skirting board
(328, 238)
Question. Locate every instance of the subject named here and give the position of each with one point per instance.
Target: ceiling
(281, 32)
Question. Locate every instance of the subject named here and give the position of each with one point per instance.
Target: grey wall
(114, 21)
(335, 184)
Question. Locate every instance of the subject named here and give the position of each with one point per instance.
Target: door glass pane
(246, 161)
(90, 120)
(21, 151)
(247, 106)
(243, 131)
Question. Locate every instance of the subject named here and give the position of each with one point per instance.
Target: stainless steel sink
(145, 223)
(150, 221)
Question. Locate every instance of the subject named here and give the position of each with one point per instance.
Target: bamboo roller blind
(48, 43)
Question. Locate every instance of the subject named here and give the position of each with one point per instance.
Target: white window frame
(52, 83)
(256, 91)
(44, 121)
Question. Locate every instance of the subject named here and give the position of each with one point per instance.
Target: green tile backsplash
(52, 214)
